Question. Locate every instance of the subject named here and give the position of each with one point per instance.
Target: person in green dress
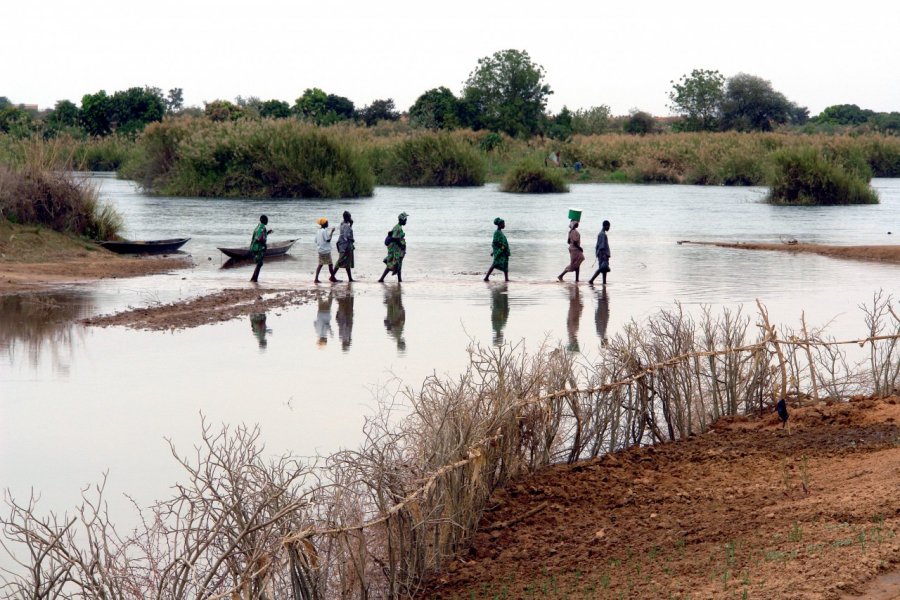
(258, 244)
(500, 251)
(396, 249)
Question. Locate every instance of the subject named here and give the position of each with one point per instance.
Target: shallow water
(77, 401)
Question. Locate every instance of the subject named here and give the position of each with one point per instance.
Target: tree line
(505, 93)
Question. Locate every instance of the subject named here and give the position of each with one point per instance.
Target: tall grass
(807, 176)
(256, 159)
(432, 159)
(529, 177)
(42, 189)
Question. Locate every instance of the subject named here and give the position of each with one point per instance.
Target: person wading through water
(396, 245)
(576, 253)
(345, 246)
(323, 246)
(603, 254)
(500, 251)
(258, 245)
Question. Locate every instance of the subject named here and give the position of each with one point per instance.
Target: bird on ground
(781, 407)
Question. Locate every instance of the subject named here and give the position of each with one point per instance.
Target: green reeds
(432, 160)
(253, 159)
(807, 176)
(42, 190)
(529, 177)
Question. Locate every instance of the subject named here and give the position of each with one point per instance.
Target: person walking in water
(500, 251)
(258, 244)
(576, 252)
(323, 245)
(396, 245)
(603, 254)
(345, 246)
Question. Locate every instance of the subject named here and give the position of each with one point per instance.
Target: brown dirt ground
(884, 253)
(34, 257)
(747, 510)
(212, 308)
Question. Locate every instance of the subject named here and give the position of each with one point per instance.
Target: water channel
(77, 401)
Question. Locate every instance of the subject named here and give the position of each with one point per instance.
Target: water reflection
(323, 319)
(39, 321)
(499, 311)
(396, 315)
(573, 319)
(258, 326)
(345, 318)
(601, 317)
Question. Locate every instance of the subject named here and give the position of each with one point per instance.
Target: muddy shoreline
(880, 253)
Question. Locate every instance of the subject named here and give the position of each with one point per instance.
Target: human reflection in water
(323, 319)
(396, 315)
(258, 326)
(601, 317)
(499, 311)
(573, 319)
(344, 319)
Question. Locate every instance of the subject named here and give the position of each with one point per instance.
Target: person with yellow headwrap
(499, 251)
(323, 245)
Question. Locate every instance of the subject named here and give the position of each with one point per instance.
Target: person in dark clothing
(603, 254)
(258, 245)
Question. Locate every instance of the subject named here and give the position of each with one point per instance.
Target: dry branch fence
(374, 522)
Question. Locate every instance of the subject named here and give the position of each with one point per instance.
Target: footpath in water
(747, 510)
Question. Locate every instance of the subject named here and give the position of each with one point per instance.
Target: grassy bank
(41, 189)
(194, 156)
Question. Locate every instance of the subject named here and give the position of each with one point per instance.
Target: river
(76, 401)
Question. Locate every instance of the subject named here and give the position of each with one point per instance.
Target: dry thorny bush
(372, 522)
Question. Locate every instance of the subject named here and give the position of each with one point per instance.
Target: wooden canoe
(276, 249)
(144, 246)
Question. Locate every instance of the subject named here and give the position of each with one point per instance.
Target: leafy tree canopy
(698, 98)
(639, 122)
(437, 108)
(506, 92)
(844, 114)
(274, 109)
(751, 104)
(591, 121)
(321, 108)
(174, 100)
(379, 110)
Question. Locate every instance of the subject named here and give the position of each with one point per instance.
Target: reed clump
(246, 158)
(807, 176)
(530, 177)
(43, 190)
(432, 160)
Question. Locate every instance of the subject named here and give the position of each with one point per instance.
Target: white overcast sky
(623, 54)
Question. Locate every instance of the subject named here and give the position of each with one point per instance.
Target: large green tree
(591, 121)
(751, 104)
(506, 92)
(697, 98)
(321, 108)
(134, 108)
(379, 110)
(437, 108)
(844, 114)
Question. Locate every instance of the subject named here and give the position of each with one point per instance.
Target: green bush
(532, 178)
(42, 191)
(433, 159)
(806, 176)
(254, 159)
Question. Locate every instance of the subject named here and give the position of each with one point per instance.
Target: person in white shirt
(323, 245)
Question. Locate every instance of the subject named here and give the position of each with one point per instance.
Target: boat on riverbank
(144, 246)
(243, 253)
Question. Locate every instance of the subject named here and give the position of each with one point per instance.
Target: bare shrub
(374, 521)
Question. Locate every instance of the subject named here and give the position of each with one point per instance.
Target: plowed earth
(747, 510)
